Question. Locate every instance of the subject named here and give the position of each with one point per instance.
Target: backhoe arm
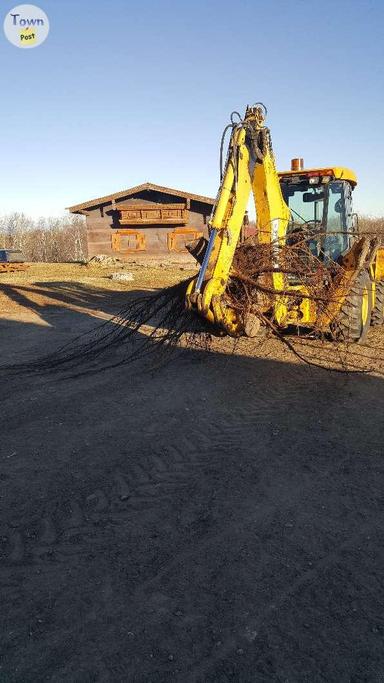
(249, 167)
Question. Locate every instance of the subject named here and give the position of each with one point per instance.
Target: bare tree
(45, 239)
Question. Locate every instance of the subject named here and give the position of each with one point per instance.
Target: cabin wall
(102, 223)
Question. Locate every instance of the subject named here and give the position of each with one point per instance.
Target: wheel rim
(365, 306)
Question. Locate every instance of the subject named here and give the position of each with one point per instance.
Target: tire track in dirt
(164, 475)
(140, 485)
(149, 481)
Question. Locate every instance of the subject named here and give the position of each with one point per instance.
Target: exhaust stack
(297, 164)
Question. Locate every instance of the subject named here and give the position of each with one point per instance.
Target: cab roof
(336, 172)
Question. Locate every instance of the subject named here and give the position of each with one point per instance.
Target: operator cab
(320, 202)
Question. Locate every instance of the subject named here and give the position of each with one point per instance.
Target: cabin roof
(109, 198)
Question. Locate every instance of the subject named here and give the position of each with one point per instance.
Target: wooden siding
(146, 214)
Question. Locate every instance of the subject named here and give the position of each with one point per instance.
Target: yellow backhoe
(318, 273)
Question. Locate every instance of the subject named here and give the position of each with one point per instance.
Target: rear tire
(377, 317)
(354, 319)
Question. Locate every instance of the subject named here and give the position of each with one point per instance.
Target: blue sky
(124, 92)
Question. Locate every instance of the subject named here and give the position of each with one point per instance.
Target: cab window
(336, 238)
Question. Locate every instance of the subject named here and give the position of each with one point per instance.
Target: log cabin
(147, 218)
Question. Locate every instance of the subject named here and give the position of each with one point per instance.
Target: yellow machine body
(250, 168)
(336, 172)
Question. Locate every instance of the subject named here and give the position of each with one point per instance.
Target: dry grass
(91, 273)
(92, 278)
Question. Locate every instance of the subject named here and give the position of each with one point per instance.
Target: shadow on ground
(67, 292)
(217, 520)
(49, 314)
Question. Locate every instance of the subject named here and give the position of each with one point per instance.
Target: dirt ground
(219, 519)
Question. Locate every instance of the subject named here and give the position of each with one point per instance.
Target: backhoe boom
(250, 166)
